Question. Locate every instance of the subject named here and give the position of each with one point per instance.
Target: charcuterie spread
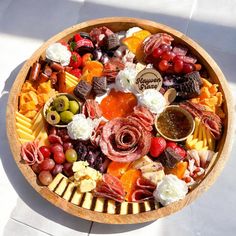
(127, 117)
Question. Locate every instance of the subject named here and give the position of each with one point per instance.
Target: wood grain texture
(118, 24)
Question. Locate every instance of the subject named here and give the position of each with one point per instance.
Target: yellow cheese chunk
(24, 140)
(23, 122)
(43, 138)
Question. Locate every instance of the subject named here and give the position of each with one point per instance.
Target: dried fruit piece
(117, 168)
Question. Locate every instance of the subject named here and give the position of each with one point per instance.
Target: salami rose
(124, 140)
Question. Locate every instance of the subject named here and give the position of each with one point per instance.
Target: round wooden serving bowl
(119, 24)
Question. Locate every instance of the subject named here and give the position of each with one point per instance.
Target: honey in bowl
(175, 123)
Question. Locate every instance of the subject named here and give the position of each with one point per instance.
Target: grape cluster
(166, 60)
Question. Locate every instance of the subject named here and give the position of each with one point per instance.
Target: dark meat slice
(169, 158)
(99, 35)
(100, 85)
(194, 76)
(82, 89)
(113, 42)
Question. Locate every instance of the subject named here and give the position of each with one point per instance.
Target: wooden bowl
(188, 117)
(50, 101)
(119, 24)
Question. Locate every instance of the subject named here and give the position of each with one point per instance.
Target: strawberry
(77, 37)
(76, 72)
(75, 60)
(158, 145)
(179, 150)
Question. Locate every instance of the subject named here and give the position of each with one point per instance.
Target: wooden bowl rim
(210, 177)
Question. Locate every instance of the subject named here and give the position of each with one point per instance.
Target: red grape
(67, 146)
(67, 169)
(163, 65)
(45, 177)
(157, 52)
(57, 169)
(165, 47)
(59, 157)
(178, 57)
(47, 164)
(35, 168)
(53, 130)
(71, 155)
(56, 148)
(168, 55)
(187, 68)
(45, 151)
(178, 65)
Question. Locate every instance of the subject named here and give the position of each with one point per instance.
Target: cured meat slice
(110, 187)
(91, 109)
(141, 195)
(30, 153)
(100, 35)
(96, 135)
(155, 41)
(145, 184)
(180, 50)
(53, 138)
(124, 140)
(211, 120)
(143, 116)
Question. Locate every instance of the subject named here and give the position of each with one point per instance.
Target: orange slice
(132, 43)
(117, 168)
(142, 34)
(128, 180)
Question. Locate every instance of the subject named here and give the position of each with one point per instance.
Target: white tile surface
(16, 228)
(163, 11)
(214, 23)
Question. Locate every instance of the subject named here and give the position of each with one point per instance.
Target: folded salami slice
(30, 153)
(141, 195)
(110, 187)
(145, 184)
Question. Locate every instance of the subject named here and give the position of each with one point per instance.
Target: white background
(25, 25)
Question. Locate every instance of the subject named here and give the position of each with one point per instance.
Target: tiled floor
(25, 25)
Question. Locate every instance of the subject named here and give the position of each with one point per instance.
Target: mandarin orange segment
(132, 43)
(142, 34)
(93, 65)
(117, 169)
(128, 180)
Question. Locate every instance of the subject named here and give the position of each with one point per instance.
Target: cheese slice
(25, 135)
(38, 129)
(23, 122)
(24, 128)
(24, 140)
(69, 84)
(26, 119)
(72, 81)
(43, 138)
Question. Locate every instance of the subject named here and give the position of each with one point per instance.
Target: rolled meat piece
(34, 72)
(56, 66)
(53, 78)
(43, 78)
(61, 77)
(47, 70)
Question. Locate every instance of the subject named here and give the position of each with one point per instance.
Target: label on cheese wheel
(148, 79)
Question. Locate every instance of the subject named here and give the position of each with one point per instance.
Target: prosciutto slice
(110, 187)
(30, 153)
(211, 120)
